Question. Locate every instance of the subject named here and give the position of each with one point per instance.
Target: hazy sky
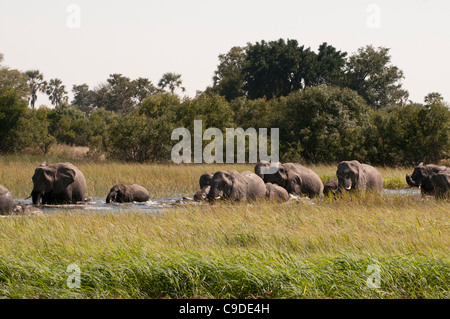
(149, 38)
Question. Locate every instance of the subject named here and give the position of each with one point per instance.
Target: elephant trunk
(410, 181)
(214, 194)
(112, 196)
(36, 196)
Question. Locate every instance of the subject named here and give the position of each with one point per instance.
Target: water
(155, 206)
(407, 192)
(158, 205)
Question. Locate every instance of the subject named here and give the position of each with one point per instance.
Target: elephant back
(6, 201)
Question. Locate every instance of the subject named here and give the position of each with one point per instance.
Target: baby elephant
(331, 187)
(127, 193)
(276, 193)
(27, 210)
(205, 182)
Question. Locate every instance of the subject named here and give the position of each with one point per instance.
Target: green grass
(259, 250)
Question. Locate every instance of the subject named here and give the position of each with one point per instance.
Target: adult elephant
(6, 201)
(60, 183)
(353, 175)
(121, 193)
(441, 184)
(231, 185)
(205, 186)
(276, 193)
(422, 177)
(294, 177)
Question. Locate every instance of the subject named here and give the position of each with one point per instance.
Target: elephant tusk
(348, 188)
(218, 197)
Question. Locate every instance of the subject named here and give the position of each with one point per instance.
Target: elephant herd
(63, 183)
(285, 179)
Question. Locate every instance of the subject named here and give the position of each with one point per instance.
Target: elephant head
(350, 175)
(205, 179)
(279, 176)
(50, 181)
(221, 185)
(419, 175)
(116, 194)
(422, 177)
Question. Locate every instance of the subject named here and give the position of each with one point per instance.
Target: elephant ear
(124, 192)
(64, 177)
(361, 179)
(238, 183)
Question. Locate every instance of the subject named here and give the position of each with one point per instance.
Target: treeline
(328, 106)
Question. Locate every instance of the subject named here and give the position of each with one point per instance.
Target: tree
(56, 92)
(143, 89)
(83, 98)
(434, 98)
(36, 84)
(277, 68)
(15, 80)
(328, 67)
(371, 74)
(228, 79)
(121, 94)
(12, 108)
(32, 132)
(172, 81)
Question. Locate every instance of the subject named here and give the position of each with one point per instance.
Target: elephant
(294, 177)
(353, 175)
(205, 181)
(422, 177)
(441, 184)
(330, 187)
(27, 210)
(60, 183)
(231, 185)
(6, 201)
(121, 193)
(276, 193)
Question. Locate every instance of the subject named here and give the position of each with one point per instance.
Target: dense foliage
(329, 107)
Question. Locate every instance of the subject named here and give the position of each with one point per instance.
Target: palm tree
(172, 81)
(56, 92)
(36, 83)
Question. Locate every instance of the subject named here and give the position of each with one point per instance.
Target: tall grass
(259, 250)
(318, 249)
(161, 180)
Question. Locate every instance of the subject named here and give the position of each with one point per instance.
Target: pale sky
(149, 38)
